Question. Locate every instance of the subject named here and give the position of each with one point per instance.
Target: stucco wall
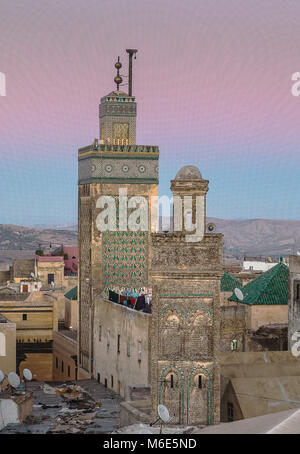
(63, 349)
(8, 361)
(257, 383)
(132, 326)
(267, 315)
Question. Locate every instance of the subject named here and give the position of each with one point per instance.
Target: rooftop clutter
(140, 302)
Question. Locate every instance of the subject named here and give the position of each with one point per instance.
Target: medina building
(149, 303)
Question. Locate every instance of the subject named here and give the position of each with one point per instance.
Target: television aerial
(2, 376)
(211, 227)
(13, 380)
(27, 374)
(239, 294)
(163, 416)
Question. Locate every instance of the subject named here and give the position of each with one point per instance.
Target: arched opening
(171, 395)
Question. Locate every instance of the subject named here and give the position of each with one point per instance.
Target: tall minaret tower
(112, 259)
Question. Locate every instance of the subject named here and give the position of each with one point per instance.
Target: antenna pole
(131, 52)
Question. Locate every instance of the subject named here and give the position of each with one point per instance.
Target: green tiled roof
(72, 294)
(230, 282)
(270, 287)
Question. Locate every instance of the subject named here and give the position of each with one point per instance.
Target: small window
(100, 333)
(139, 351)
(56, 362)
(229, 412)
(234, 344)
(69, 371)
(24, 316)
(112, 381)
(128, 348)
(62, 366)
(172, 381)
(297, 291)
(98, 378)
(119, 338)
(105, 383)
(200, 381)
(50, 278)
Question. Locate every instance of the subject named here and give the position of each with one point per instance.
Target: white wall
(257, 266)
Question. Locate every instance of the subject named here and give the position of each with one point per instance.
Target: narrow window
(112, 381)
(119, 338)
(100, 333)
(297, 292)
(24, 316)
(229, 412)
(98, 378)
(69, 371)
(108, 338)
(50, 278)
(200, 381)
(56, 362)
(172, 381)
(2, 344)
(62, 366)
(128, 348)
(105, 382)
(234, 344)
(139, 351)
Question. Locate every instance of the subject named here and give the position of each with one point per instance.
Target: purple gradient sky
(212, 80)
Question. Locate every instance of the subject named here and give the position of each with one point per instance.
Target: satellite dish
(145, 431)
(239, 294)
(163, 413)
(52, 284)
(2, 376)
(298, 253)
(38, 273)
(211, 227)
(27, 374)
(14, 379)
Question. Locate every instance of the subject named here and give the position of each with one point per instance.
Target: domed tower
(185, 331)
(189, 191)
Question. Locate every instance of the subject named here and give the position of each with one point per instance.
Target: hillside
(241, 237)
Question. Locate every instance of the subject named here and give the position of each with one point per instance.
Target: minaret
(112, 259)
(117, 115)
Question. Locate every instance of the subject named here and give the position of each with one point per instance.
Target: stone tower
(112, 259)
(186, 276)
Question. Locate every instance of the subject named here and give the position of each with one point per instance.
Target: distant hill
(241, 237)
(264, 237)
(15, 237)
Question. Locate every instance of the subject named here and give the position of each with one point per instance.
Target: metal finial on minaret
(118, 79)
(130, 52)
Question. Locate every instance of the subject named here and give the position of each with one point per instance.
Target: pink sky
(212, 80)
